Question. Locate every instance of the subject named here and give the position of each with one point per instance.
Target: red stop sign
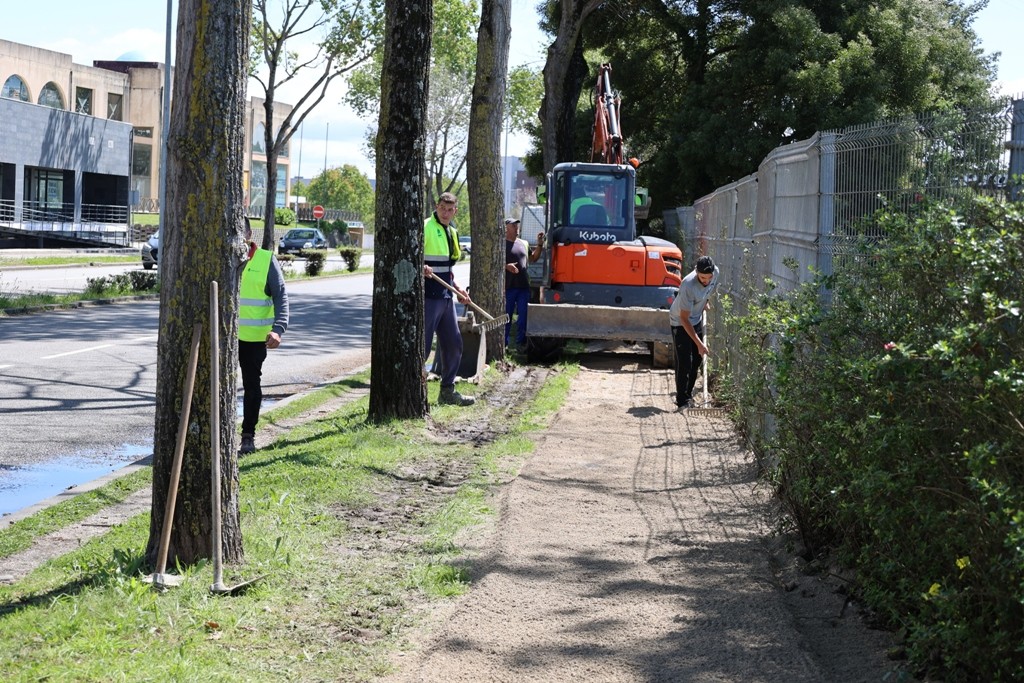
(318, 212)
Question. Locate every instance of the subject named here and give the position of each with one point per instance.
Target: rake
(218, 587)
(705, 407)
(489, 323)
(160, 579)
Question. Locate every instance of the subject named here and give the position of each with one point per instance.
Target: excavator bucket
(569, 321)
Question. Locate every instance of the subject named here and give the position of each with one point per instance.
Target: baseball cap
(510, 221)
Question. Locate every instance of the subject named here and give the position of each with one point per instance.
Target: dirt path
(634, 546)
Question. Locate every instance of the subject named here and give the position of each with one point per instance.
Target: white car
(149, 251)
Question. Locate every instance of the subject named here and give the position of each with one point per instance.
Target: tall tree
(347, 34)
(484, 167)
(451, 80)
(564, 73)
(201, 242)
(398, 386)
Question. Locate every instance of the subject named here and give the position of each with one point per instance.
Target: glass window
(284, 147)
(50, 96)
(281, 196)
(83, 100)
(143, 132)
(15, 89)
(47, 188)
(114, 112)
(142, 160)
(258, 188)
(259, 132)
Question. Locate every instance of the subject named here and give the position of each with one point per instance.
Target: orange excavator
(597, 279)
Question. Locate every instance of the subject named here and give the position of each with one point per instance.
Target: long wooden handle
(476, 308)
(216, 541)
(179, 451)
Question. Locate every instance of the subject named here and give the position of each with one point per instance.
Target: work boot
(449, 396)
(248, 444)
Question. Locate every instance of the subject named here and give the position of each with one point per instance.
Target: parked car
(297, 239)
(149, 251)
(466, 245)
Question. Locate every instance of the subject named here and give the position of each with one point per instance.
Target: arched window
(15, 89)
(50, 96)
(259, 131)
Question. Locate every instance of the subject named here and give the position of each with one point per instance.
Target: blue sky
(107, 29)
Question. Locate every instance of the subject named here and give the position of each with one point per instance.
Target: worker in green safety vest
(262, 319)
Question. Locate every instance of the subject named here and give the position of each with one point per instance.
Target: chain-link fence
(808, 201)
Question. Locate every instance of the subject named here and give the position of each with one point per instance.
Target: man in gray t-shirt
(686, 318)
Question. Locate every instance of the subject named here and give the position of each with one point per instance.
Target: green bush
(899, 442)
(284, 216)
(315, 260)
(121, 284)
(351, 256)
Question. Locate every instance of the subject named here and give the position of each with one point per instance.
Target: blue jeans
(516, 300)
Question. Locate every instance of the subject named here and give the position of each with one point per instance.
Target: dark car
(297, 239)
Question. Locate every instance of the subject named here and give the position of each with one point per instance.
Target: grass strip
(83, 259)
(355, 526)
(23, 533)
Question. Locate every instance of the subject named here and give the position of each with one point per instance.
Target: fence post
(826, 202)
(1016, 145)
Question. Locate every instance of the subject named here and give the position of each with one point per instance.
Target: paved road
(63, 280)
(77, 388)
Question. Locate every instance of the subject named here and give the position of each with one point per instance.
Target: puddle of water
(21, 487)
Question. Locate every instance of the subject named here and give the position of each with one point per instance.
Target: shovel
(489, 323)
(158, 578)
(218, 587)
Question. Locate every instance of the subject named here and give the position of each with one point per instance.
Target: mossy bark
(487, 269)
(201, 242)
(397, 382)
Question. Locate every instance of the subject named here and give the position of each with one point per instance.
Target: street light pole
(162, 198)
(327, 137)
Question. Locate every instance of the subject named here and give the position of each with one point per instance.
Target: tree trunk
(200, 243)
(270, 202)
(563, 79)
(483, 170)
(398, 386)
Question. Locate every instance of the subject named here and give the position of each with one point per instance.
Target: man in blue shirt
(686, 317)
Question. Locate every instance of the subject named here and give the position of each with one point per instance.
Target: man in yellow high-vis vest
(262, 319)
(440, 254)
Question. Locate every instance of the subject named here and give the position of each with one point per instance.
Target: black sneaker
(449, 396)
(248, 444)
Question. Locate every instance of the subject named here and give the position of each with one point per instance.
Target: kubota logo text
(593, 236)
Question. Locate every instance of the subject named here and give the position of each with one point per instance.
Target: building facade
(81, 146)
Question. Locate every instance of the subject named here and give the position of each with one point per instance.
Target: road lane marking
(5, 366)
(142, 339)
(71, 353)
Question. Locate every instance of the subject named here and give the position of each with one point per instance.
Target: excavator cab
(592, 203)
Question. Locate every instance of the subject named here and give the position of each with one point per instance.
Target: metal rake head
(492, 324)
